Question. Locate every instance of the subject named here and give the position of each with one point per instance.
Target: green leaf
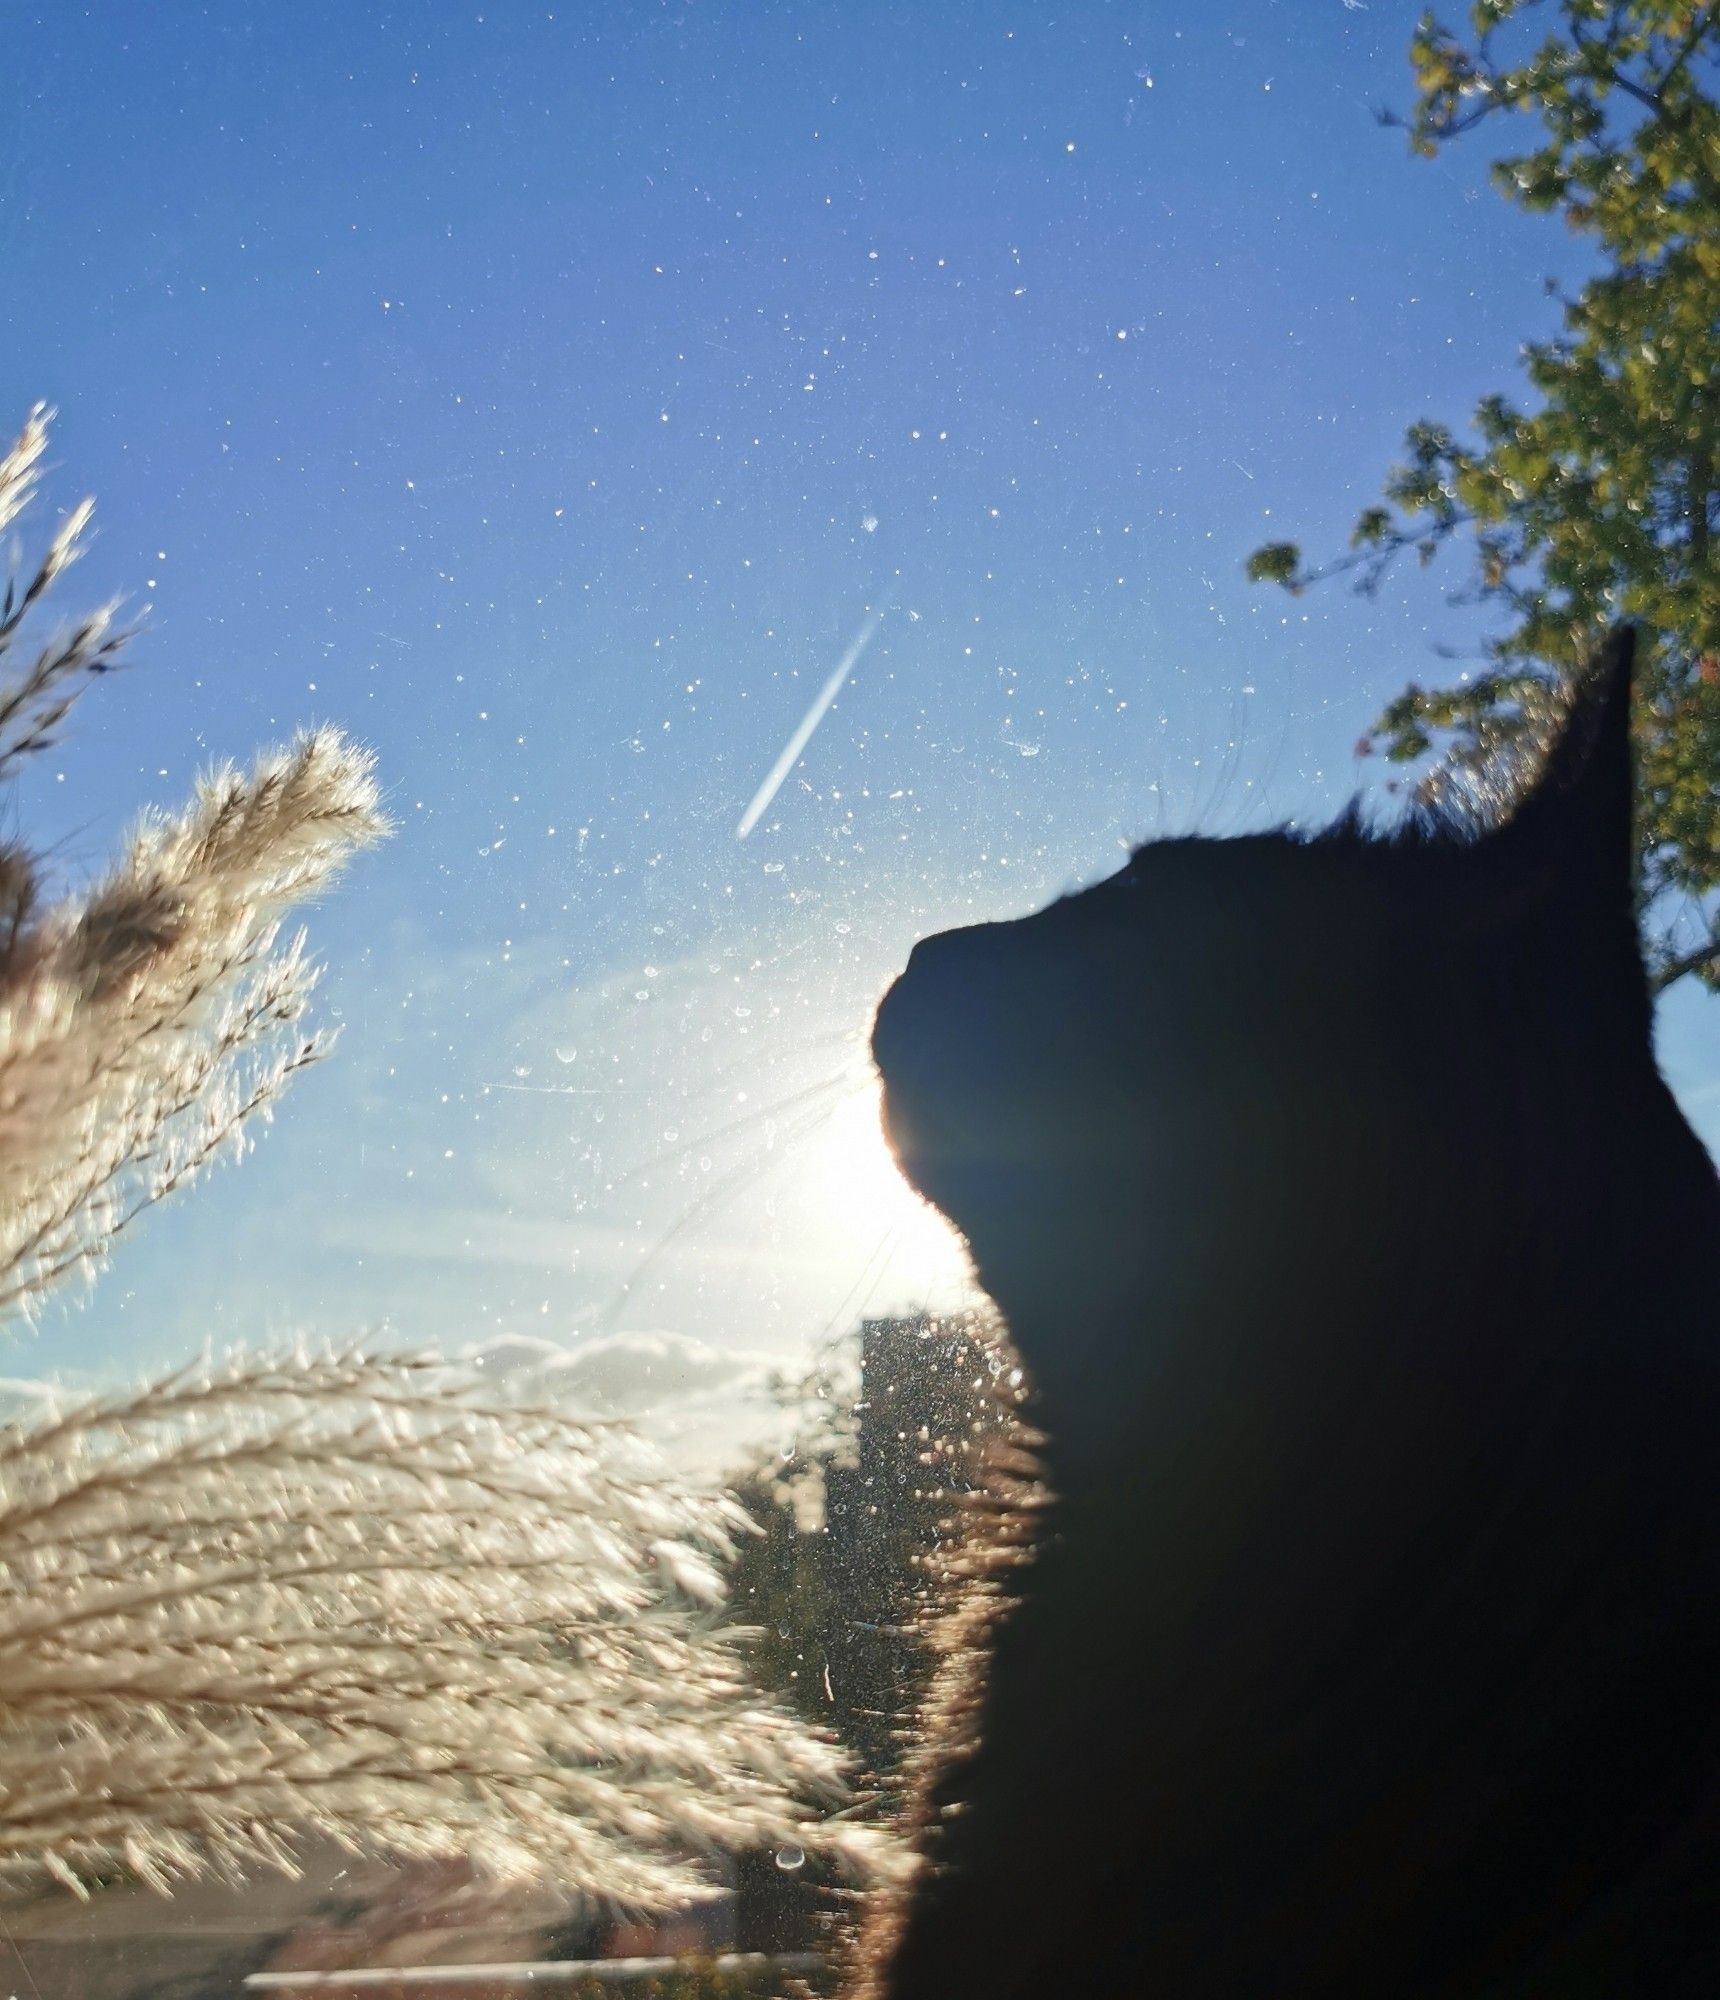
(1277, 562)
(1599, 496)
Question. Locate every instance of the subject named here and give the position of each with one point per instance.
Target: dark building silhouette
(927, 1399)
(841, 1597)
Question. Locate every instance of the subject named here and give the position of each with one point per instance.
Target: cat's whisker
(737, 1127)
(726, 1189)
(1231, 765)
(859, 1293)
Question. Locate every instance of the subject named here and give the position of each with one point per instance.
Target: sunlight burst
(856, 1180)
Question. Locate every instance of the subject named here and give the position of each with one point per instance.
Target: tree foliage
(1597, 499)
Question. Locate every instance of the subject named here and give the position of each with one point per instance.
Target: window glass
(768, 482)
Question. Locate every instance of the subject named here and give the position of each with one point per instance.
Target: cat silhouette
(1365, 1271)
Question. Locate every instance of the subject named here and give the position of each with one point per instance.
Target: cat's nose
(948, 964)
(922, 1020)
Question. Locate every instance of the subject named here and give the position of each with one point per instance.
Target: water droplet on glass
(790, 1858)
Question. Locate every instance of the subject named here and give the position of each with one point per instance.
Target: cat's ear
(1574, 827)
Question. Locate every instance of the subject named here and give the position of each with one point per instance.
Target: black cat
(1366, 1272)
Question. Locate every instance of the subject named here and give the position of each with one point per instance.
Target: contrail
(808, 723)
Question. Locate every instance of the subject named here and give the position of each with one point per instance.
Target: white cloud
(622, 1374)
(710, 1408)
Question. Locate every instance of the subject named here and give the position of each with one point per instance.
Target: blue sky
(549, 394)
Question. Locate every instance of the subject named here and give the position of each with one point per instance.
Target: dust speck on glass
(766, 483)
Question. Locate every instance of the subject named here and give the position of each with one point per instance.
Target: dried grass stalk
(37, 697)
(339, 1596)
(351, 1596)
(146, 1022)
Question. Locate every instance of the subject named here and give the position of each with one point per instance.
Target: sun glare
(874, 1213)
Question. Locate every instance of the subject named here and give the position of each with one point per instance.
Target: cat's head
(1192, 1066)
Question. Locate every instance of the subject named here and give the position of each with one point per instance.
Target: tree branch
(1691, 961)
(1705, 20)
